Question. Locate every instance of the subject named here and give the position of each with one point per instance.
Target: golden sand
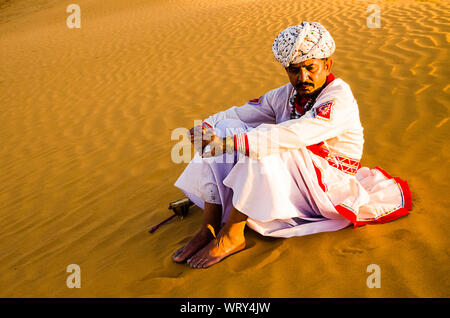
(86, 117)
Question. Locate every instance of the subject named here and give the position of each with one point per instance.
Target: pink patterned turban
(298, 43)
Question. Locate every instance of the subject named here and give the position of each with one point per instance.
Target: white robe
(301, 176)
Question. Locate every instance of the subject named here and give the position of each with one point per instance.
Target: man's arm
(253, 113)
(335, 112)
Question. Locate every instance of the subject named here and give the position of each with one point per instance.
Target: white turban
(298, 43)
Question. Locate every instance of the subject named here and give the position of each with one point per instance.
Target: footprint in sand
(350, 250)
(353, 247)
(400, 234)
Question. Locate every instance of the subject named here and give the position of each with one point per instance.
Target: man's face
(310, 75)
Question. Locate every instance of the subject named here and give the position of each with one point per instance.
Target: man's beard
(300, 90)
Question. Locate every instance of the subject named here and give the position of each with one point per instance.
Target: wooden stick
(154, 228)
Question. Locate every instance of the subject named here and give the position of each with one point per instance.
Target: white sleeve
(253, 113)
(332, 114)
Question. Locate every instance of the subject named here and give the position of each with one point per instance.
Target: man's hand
(198, 138)
(217, 147)
(203, 135)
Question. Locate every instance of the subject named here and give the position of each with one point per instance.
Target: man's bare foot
(203, 237)
(217, 250)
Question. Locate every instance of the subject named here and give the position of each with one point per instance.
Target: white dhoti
(293, 193)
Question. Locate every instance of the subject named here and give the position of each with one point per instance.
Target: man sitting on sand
(288, 163)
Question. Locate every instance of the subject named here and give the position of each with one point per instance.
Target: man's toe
(204, 264)
(195, 261)
(191, 261)
(177, 255)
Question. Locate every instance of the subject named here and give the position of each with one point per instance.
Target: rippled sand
(86, 117)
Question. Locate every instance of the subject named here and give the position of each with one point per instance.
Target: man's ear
(328, 65)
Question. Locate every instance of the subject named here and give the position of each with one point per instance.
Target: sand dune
(86, 119)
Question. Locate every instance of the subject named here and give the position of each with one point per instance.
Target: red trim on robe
(206, 125)
(387, 175)
(319, 178)
(247, 149)
(256, 101)
(238, 146)
(402, 211)
(404, 186)
(347, 165)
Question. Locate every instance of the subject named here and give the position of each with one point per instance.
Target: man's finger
(210, 153)
(207, 154)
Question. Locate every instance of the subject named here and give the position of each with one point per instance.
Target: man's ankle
(210, 230)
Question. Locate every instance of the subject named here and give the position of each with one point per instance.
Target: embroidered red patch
(323, 111)
(256, 101)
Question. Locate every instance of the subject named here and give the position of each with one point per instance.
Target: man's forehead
(305, 63)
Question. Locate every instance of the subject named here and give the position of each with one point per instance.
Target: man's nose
(302, 75)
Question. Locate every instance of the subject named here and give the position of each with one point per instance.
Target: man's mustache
(303, 84)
